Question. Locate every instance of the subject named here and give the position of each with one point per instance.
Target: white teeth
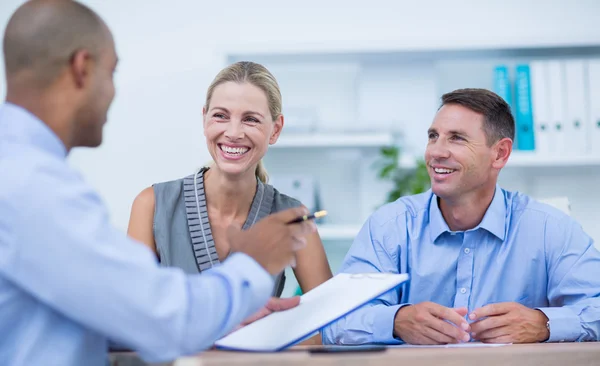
(442, 170)
(234, 150)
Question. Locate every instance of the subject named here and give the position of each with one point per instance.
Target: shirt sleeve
(374, 322)
(573, 283)
(63, 251)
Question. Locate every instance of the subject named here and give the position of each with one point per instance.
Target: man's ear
(502, 150)
(278, 126)
(80, 67)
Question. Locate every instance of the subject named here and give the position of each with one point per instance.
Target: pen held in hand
(315, 215)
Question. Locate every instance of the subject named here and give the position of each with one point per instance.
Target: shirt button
(467, 250)
(463, 290)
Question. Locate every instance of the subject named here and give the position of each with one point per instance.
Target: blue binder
(524, 112)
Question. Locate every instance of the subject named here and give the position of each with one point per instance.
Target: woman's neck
(228, 197)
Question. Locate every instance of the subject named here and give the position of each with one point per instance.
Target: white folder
(318, 308)
(540, 104)
(556, 106)
(594, 105)
(576, 120)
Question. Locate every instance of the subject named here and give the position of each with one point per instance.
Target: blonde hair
(259, 76)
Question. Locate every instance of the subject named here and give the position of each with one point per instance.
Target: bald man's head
(43, 35)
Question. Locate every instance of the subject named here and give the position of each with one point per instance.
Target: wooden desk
(559, 354)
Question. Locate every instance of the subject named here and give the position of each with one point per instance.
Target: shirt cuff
(383, 324)
(564, 324)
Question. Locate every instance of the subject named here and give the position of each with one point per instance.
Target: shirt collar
(494, 220)
(18, 124)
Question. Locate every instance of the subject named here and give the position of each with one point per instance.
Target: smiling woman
(185, 221)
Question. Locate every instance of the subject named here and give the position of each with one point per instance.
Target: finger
(258, 315)
(462, 311)
(437, 336)
(449, 330)
(501, 339)
(302, 229)
(491, 322)
(280, 304)
(424, 339)
(298, 243)
(290, 214)
(443, 312)
(492, 333)
(490, 310)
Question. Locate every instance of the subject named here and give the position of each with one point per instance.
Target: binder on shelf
(502, 85)
(556, 106)
(525, 134)
(540, 108)
(594, 105)
(576, 108)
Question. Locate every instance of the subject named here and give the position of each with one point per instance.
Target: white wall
(170, 50)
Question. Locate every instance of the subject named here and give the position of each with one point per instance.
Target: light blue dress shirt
(522, 251)
(69, 281)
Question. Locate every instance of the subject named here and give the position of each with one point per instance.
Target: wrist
(397, 318)
(544, 323)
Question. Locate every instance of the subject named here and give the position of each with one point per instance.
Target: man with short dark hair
(485, 264)
(69, 281)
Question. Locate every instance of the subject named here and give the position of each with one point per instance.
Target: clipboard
(318, 308)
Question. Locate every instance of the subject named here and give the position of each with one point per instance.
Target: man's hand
(509, 322)
(430, 323)
(272, 242)
(275, 304)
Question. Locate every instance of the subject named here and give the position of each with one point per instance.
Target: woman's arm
(312, 267)
(142, 219)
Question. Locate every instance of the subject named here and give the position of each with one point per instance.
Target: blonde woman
(185, 221)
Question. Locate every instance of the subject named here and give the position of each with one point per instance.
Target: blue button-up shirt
(69, 281)
(522, 251)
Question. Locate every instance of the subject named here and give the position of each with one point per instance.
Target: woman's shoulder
(282, 201)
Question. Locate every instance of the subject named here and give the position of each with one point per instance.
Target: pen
(316, 215)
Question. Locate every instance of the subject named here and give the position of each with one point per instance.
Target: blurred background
(361, 82)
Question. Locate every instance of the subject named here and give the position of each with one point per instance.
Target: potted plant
(406, 180)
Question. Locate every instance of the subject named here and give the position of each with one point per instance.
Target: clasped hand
(509, 322)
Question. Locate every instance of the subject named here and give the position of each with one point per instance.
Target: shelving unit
(333, 140)
(393, 92)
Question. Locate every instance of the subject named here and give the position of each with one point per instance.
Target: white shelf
(338, 232)
(334, 140)
(520, 159)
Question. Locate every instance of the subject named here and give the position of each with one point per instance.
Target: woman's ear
(204, 120)
(277, 127)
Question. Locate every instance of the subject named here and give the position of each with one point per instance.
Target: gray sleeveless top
(181, 226)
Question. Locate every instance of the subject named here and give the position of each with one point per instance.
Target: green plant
(406, 181)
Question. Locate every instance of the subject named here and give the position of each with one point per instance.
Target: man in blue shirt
(69, 281)
(485, 264)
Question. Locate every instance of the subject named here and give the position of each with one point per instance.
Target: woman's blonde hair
(259, 76)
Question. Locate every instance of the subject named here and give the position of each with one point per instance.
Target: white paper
(454, 345)
(318, 308)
